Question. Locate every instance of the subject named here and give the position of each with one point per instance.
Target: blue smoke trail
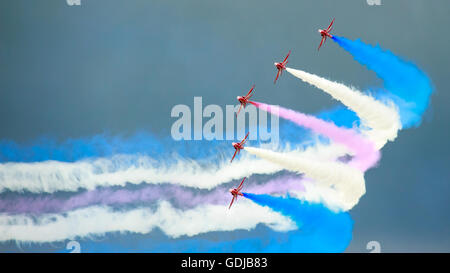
(408, 86)
(103, 145)
(320, 229)
(341, 116)
(145, 143)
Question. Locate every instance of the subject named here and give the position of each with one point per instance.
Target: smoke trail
(332, 229)
(341, 116)
(53, 176)
(180, 197)
(319, 230)
(105, 145)
(366, 155)
(408, 86)
(141, 143)
(93, 221)
(48, 166)
(381, 118)
(347, 181)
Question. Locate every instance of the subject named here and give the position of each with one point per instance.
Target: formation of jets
(244, 100)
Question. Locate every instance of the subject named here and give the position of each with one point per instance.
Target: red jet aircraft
(244, 100)
(281, 66)
(239, 146)
(235, 192)
(325, 33)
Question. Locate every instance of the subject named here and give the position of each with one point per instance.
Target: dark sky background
(120, 66)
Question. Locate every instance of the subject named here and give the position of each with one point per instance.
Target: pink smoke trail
(366, 155)
(180, 196)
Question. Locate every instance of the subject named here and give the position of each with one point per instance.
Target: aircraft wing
(240, 185)
(287, 56)
(233, 155)
(278, 73)
(232, 200)
(321, 42)
(329, 27)
(240, 107)
(249, 92)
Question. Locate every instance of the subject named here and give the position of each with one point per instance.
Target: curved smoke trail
(382, 119)
(319, 230)
(347, 181)
(365, 153)
(407, 85)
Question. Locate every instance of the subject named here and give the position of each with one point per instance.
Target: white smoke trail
(94, 221)
(53, 176)
(347, 181)
(383, 119)
(320, 194)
